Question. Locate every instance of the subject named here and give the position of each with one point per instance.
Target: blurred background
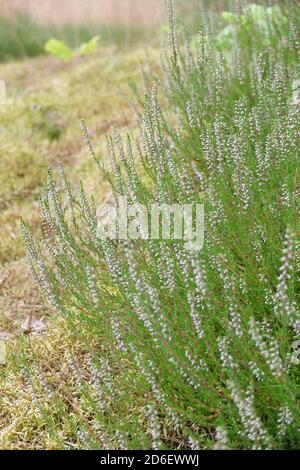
(140, 12)
(26, 25)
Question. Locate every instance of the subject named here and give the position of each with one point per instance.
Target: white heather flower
(200, 177)
(192, 382)
(235, 321)
(29, 384)
(45, 284)
(197, 363)
(89, 215)
(171, 24)
(105, 371)
(226, 358)
(116, 330)
(74, 369)
(194, 445)
(87, 140)
(296, 93)
(84, 437)
(221, 438)
(148, 371)
(168, 269)
(283, 305)
(43, 381)
(182, 260)
(219, 78)
(285, 419)
(270, 350)
(253, 427)
(256, 371)
(263, 164)
(67, 188)
(268, 293)
(257, 247)
(227, 278)
(91, 282)
(216, 216)
(118, 144)
(243, 286)
(190, 115)
(120, 438)
(220, 144)
(96, 382)
(285, 196)
(201, 289)
(195, 316)
(209, 152)
(115, 169)
(153, 427)
(242, 176)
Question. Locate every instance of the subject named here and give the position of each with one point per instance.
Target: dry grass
(41, 94)
(141, 12)
(41, 420)
(40, 121)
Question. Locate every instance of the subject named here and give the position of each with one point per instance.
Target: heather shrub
(209, 336)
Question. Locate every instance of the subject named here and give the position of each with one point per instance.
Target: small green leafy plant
(60, 50)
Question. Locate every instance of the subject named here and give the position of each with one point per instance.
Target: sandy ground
(142, 12)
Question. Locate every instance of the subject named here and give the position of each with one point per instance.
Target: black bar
(133, 459)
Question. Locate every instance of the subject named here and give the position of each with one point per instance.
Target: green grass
(22, 37)
(179, 349)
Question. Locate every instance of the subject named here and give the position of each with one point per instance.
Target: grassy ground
(40, 121)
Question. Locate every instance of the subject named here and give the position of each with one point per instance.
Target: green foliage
(20, 37)
(268, 23)
(60, 50)
(89, 47)
(207, 336)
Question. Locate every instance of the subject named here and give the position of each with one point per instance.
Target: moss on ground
(45, 102)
